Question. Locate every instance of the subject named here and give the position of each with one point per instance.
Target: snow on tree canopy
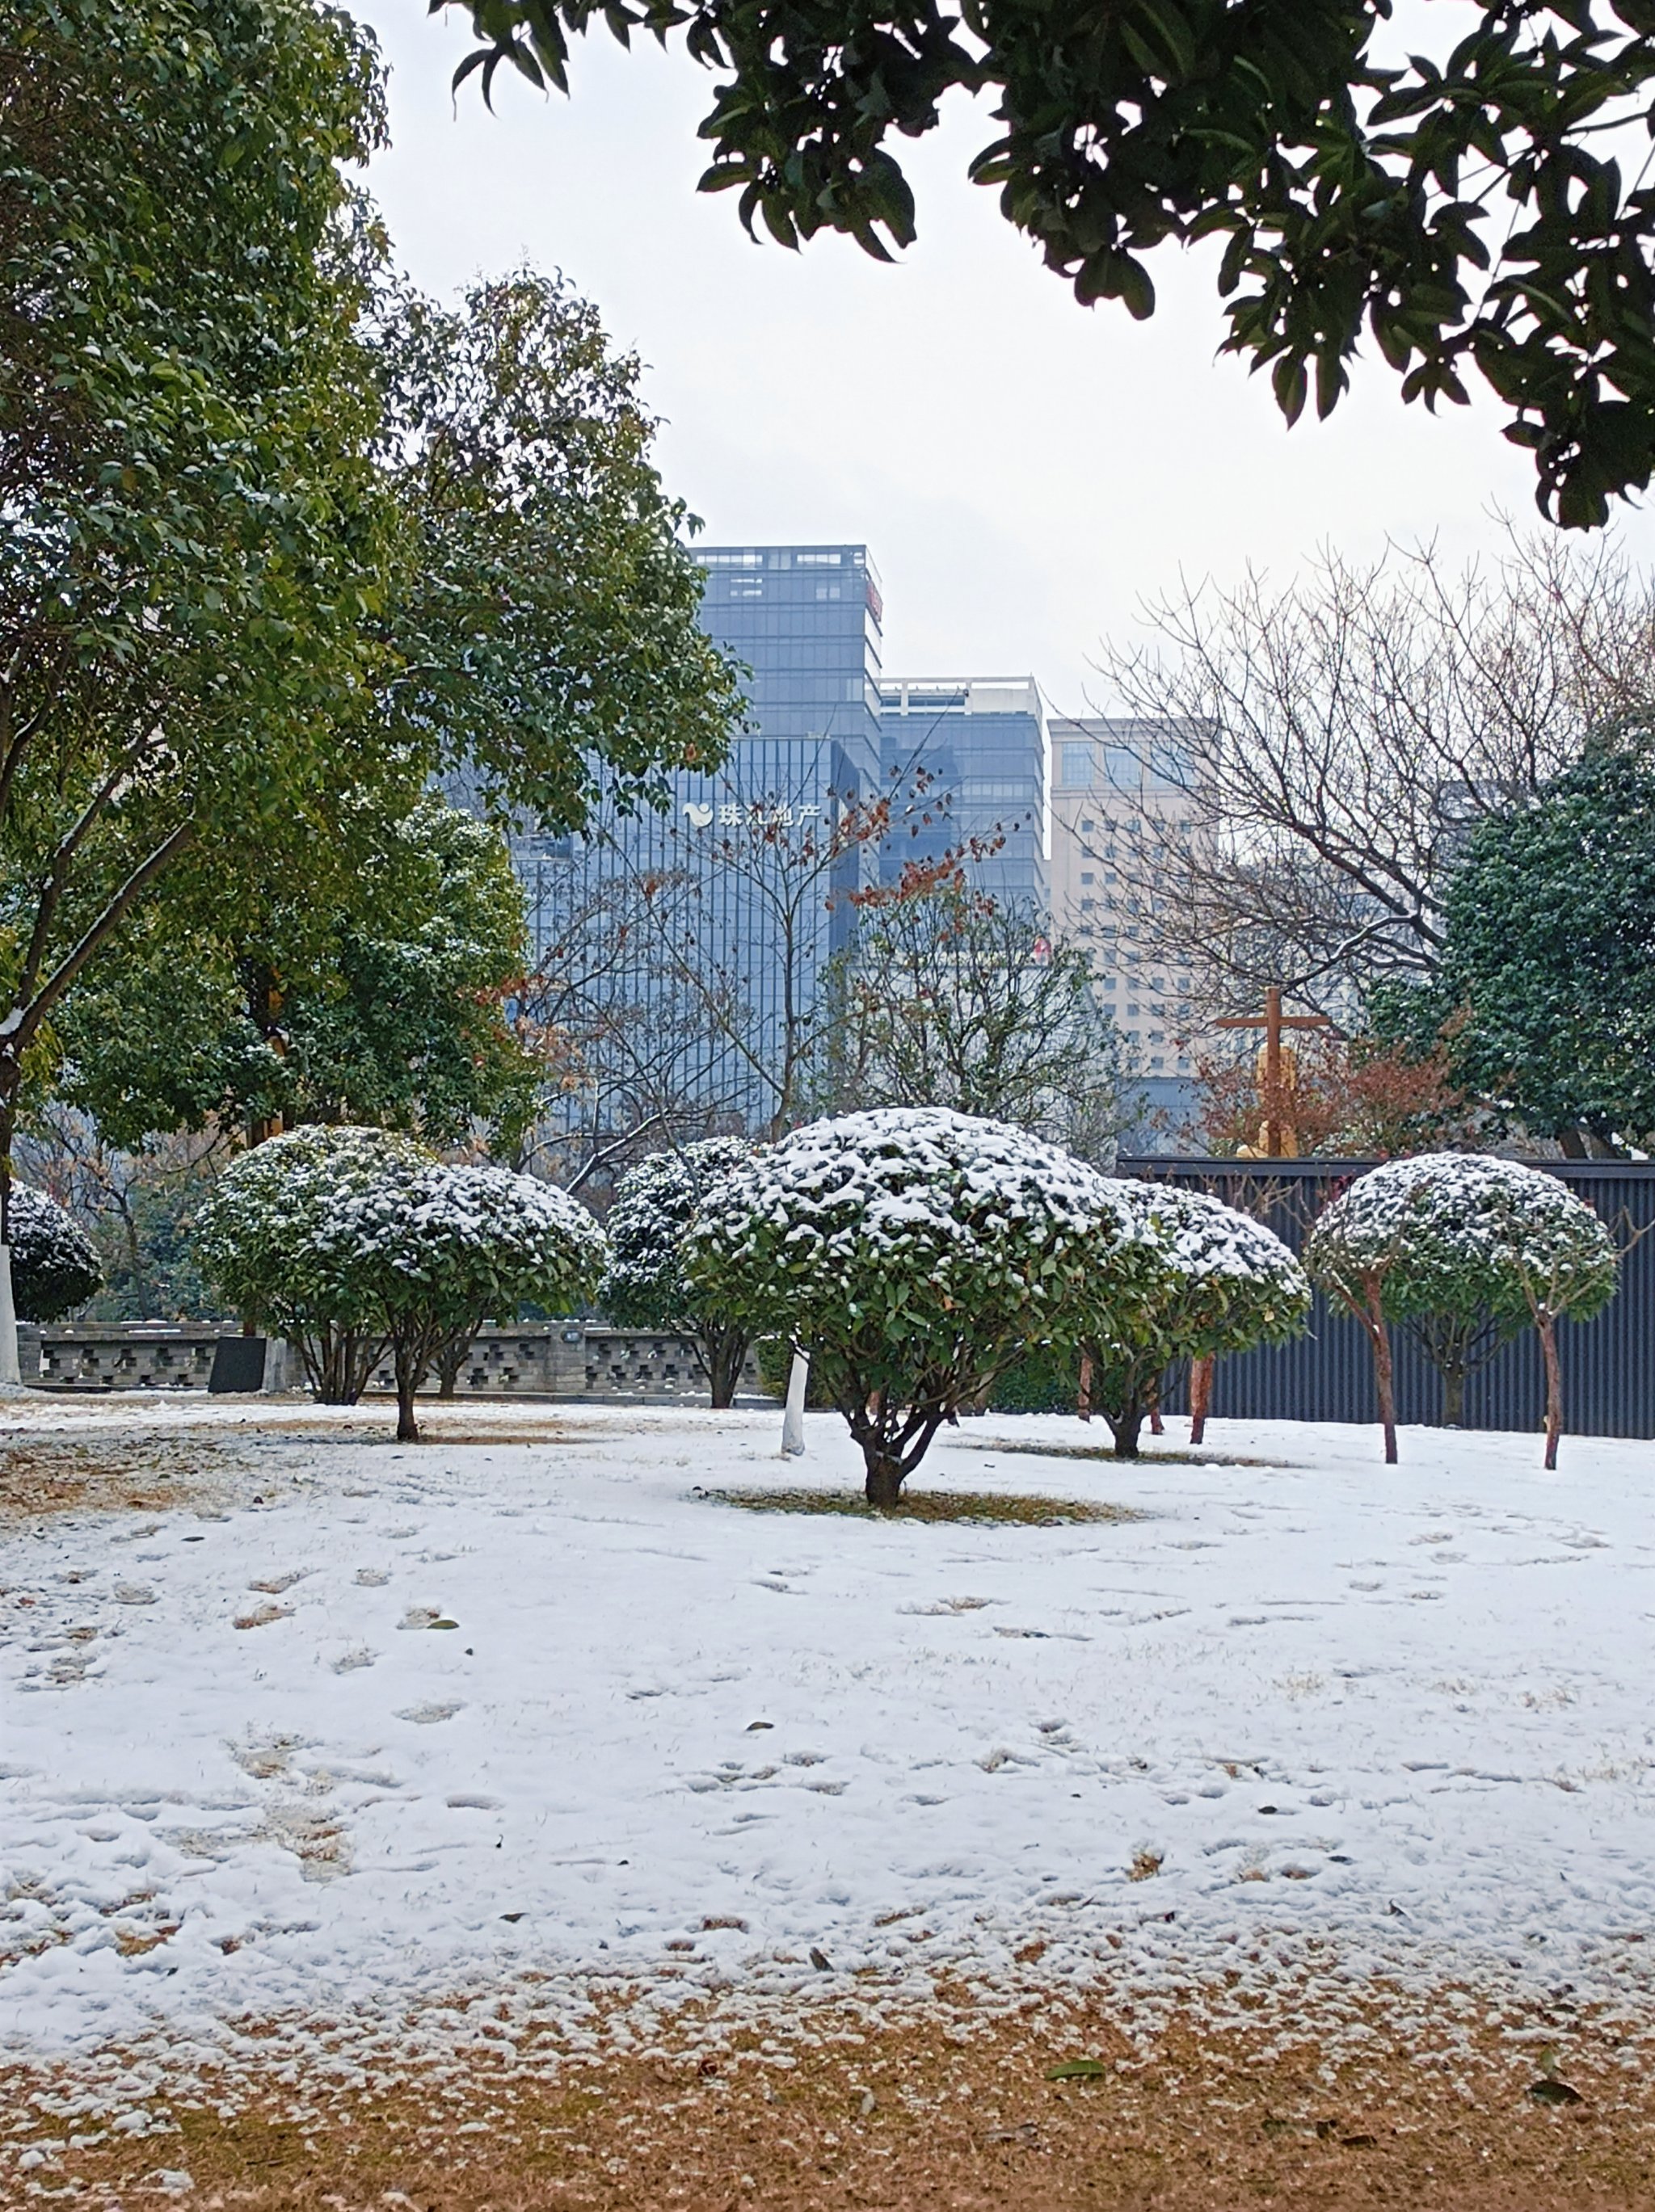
(911, 1251)
(257, 1236)
(917, 1209)
(645, 1286)
(1447, 1232)
(1231, 1281)
(459, 1242)
(54, 1267)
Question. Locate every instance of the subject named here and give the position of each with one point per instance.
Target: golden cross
(1273, 1021)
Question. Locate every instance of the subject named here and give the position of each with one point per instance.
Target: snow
(1446, 1231)
(1395, 1720)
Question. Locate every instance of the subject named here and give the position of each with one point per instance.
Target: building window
(1087, 876)
(1156, 1060)
(1075, 766)
(833, 560)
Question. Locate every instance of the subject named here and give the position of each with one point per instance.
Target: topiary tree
(645, 1286)
(54, 1266)
(1225, 1282)
(1464, 1237)
(430, 1251)
(257, 1239)
(911, 1251)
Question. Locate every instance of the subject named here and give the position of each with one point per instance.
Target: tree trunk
(723, 1351)
(1083, 1396)
(1125, 1427)
(883, 1488)
(1201, 1397)
(11, 1369)
(1547, 1327)
(1157, 1426)
(1453, 1397)
(411, 1373)
(1384, 1370)
(452, 1354)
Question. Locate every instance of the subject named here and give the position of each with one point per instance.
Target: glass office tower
(705, 930)
(973, 757)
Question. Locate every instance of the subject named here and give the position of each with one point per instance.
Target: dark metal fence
(1327, 1375)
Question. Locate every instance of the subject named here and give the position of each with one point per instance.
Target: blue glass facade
(704, 932)
(972, 757)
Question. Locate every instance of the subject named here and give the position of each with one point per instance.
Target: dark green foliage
(1548, 984)
(1044, 1378)
(1462, 208)
(645, 1286)
(543, 627)
(388, 1007)
(54, 1267)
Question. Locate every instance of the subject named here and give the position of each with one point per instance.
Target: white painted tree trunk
(792, 1420)
(11, 1372)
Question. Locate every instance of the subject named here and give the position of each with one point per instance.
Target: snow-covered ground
(391, 1721)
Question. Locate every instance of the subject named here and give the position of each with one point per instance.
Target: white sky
(1024, 471)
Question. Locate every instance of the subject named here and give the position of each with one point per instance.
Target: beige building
(1112, 817)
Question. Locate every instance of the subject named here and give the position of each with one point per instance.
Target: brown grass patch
(1023, 1509)
(44, 1475)
(1152, 1456)
(1051, 2106)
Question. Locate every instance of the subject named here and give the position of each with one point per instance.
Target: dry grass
(45, 1475)
(1152, 1456)
(980, 1505)
(1054, 2107)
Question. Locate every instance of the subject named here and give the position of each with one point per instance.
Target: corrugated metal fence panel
(1327, 1375)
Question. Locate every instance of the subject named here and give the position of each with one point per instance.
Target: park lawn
(348, 1787)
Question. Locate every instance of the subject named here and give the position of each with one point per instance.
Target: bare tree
(1329, 746)
(948, 998)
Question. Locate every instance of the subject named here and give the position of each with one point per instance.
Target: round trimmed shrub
(257, 1241)
(430, 1252)
(1225, 1283)
(54, 1265)
(1463, 1235)
(911, 1252)
(646, 1285)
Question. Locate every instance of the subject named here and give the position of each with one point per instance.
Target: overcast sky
(1025, 472)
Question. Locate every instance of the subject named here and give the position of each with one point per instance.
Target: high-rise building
(704, 930)
(970, 759)
(1118, 804)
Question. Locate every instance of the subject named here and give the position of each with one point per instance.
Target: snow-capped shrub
(1226, 1283)
(54, 1266)
(645, 1286)
(432, 1251)
(911, 1251)
(257, 1239)
(1463, 1235)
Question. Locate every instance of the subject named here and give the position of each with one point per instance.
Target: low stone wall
(542, 1359)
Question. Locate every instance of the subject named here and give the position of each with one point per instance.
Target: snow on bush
(1226, 1282)
(432, 1251)
(911, 1251)
(257, 1241)
(1460, 1234)
(645, 1287)
(54, 1266)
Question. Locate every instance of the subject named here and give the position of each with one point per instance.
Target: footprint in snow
(425, 1715)
(371, 1578)
(262, 1615)
(134, 1593)
(348, 1661)
(273, 1585)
